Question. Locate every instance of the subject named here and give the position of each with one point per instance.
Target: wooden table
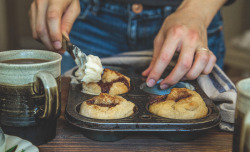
(70, 139)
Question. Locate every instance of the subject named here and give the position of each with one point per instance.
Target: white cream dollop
(91, 71)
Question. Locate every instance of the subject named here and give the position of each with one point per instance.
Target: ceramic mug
(241, 137)
(30, 91)
(2, 141)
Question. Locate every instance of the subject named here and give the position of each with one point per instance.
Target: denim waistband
(124, 8)
(151, 3)
(147, 3)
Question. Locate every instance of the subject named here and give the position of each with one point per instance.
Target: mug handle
(245, 129)
(52, 103)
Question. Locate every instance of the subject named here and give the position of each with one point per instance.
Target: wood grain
(70, 139)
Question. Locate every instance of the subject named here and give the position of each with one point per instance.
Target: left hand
(184, 31)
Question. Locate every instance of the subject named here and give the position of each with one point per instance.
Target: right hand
(50, 18)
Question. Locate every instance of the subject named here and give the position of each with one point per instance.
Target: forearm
(205, 9)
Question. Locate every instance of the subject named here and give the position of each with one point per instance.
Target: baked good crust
(181, 103)
(106, 106)
(112, 82)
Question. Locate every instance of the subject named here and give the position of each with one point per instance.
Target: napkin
(216, 85)
(222, 91)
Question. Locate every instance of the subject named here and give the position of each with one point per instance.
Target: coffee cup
(2, 140)
(30, 91)
(241, 137)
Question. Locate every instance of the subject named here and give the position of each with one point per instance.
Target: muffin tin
(142, 120)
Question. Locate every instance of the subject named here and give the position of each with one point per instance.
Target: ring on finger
(203, 49)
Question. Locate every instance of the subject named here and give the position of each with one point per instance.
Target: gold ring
(203, 49)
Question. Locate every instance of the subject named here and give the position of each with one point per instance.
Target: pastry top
(106, 106)
(112, 82)
(181, 103)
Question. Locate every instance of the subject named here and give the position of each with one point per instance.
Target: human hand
(184, 31)
(49, 18)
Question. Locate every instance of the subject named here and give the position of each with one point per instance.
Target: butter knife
(75, 52)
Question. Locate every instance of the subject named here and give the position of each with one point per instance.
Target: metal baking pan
(142, 120)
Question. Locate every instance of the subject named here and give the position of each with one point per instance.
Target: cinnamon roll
(181, 103)
(106, 106)
(112, 82)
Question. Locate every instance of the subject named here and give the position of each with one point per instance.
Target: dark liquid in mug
(237, 131)
(24, 61)
(20, 107)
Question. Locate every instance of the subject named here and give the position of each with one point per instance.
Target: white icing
(91, 71)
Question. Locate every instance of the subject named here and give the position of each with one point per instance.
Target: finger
(54, 16)
(147, 71)
(70, 16)
(41, 27)
(211, 63)
(166, 53)
(32, 18)
(201, 60)
(158, 42)
(68, 19)
(184, 63)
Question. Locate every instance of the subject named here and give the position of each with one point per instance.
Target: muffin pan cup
(142, 120)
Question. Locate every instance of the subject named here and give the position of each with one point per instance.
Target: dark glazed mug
(30, 91)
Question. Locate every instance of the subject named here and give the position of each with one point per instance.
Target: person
(108, 27)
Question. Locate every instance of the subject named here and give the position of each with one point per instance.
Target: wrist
(203, 9)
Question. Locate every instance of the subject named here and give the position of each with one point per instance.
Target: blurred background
(15, 32)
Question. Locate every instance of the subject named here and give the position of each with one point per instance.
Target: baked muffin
(112, 82)
(106, 106)
(181, 103)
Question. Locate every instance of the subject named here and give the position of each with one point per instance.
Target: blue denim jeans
(105, 29)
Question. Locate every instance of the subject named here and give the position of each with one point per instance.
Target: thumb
(70, 16)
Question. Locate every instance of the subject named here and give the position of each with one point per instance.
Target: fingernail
(57, 45)
(151, 82)
(164, 86)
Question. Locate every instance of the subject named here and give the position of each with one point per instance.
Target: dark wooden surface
(70, 139)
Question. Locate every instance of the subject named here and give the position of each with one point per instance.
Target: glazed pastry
(106, 106)
(111, 82)
(181, 103)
